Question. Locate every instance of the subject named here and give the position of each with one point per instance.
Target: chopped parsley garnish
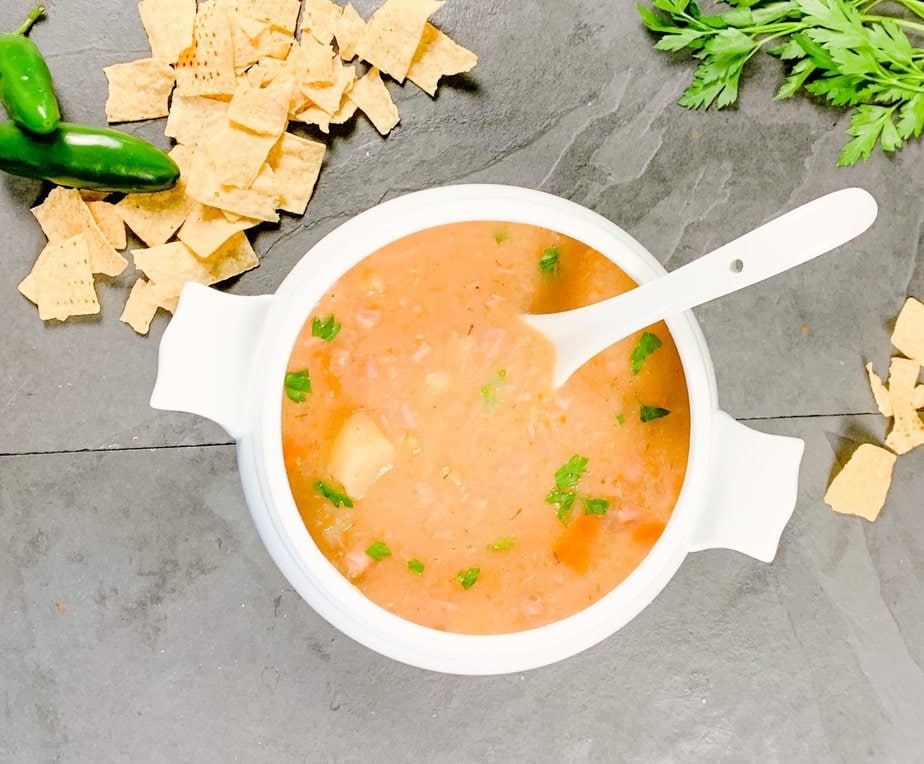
(500, 236)
(645, 346)
(548, 260)
(595, 506)
(571, 472)
(489, 391)
(334, 496)
(502, 544)
(415, 566)
(298, 385)
(566, 478)
(325, 328)
(650, 413)
(621, 418)
(378, 551)
(468, 577)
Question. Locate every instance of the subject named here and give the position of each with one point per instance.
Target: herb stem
(918, 27)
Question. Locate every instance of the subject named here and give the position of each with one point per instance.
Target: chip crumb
(391, 37)
(169, 25)
(907, 428)
(861, 487)
(908, 336)
(59, 606)
(373, 99)
(806, 329)
(880, 392)
(437, 56)
(138, 90)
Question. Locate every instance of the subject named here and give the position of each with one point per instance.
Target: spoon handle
(784, 243)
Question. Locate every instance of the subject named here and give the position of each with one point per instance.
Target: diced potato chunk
(361, 454)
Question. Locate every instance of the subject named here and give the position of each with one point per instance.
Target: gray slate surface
(176, 637)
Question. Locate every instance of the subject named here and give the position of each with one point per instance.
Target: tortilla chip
(155, 217)
(265, 110)
(138, 90)
(169, 24)
(312, 115)
(371, 96)
(296, 163)
(92, 195)
(861, 487)
(391, 37)
(247, 38)
(282, 14)
(312, 63)
(907, 429)
(275, 44)
(110, 223)
(880, 392)
(258, 202)
(193, 118)
(347, 31)
(908, 336)
(172, 265)
(206, 68)
(320, 19)
(61, 282)
(143, 301)
(917, 400)
(329, 97)
(207, 229)
(238, 154)
(438, 56)
(345, 112)
(63, 215)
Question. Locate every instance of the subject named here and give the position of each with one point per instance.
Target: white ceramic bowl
(224, 357)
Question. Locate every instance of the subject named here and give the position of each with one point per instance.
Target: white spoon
(786, 242)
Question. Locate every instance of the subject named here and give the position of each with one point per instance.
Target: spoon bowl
(773, 248)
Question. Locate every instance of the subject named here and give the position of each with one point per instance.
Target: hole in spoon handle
(736, 266)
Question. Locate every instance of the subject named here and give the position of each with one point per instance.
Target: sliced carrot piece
(573, 547)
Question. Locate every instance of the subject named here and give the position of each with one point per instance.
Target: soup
(432, 460)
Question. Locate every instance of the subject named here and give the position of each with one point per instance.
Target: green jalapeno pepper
(87, 157)
(26, 89)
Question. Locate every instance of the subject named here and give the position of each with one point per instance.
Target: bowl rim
(266, 482)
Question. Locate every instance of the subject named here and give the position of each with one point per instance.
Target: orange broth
(434, 405)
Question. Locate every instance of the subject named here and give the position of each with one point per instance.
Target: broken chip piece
(860, 488)
(138, 90)
(907, 428)
(908, 336)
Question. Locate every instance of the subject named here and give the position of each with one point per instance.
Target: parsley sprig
(838, 50)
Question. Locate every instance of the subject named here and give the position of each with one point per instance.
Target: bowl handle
(755, 481)
(206, 356)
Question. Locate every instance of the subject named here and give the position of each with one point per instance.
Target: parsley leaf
(595, 506)
(621, 418)
(645, 346)
(500, 236)
(378, 551)
(297, 385)
(468, 577)
(571, 472)
(489, 391)
(335, 497)
(326, 328)
(415, 566)
(548, 260)
(502, 544)
(650, 413)
(852, 53)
